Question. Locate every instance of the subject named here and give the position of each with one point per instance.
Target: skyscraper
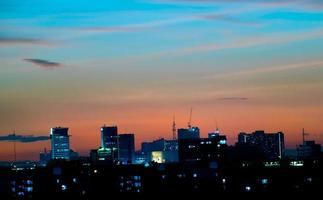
(126, 148)
(109, 142)
(202, 149)
(272, 144)
(60, 143)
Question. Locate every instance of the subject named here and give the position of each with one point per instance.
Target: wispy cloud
(226, 16)
(314, 5)
(23, 138)
(43, 63)
(4, 41)
(228, 19)
(232, 98)
(268, 69)
(243, 43)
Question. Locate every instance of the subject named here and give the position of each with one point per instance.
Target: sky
(241, 66)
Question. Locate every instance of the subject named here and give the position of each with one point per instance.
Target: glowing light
(264, 181)
(298, 163)
(157, 156)
(272, 164)
(29, 189)
(64, 187)
(222, 141)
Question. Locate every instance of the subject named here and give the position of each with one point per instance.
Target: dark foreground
(241, 180)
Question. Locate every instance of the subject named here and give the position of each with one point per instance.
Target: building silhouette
(203, 150)
(109, 144)
(161, 150)
(189, 133)
(271, 144)
(126, 148)
(309, 150)
(60, 143)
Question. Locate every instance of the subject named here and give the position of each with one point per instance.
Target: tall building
(203, 150)
(60, 143)
(109, 143)
(190, 133)
(44, 157)
(272, 144)
(126, 148)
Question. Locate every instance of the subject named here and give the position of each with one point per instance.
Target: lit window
(64, 187)
(223, 142)
(264, 181)
(29, 189)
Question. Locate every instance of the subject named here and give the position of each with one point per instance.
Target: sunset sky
(135, 63)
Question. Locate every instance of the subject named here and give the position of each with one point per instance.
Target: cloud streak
(23, 138)
(312, 5)
(43, 63)
(242, 43)
(269, 69)
(232, 99)
(4, 41)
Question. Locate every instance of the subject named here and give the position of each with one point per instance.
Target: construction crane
(190, 120)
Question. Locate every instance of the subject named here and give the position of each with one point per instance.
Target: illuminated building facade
(60, 143)
(109, 143)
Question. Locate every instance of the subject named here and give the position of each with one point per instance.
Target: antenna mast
(174, 128)
(190, 119)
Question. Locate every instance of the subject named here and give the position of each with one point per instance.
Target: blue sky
(134, 63)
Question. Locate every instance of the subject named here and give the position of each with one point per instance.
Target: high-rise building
(190, 133)
(60, 143)
(272, 144)
(109, 143)
(44, 157)
(126, 148)
(202, 149)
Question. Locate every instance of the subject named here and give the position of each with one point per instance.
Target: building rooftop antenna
(216, 126)
(303, 136)
(190, 119)
(174, 128)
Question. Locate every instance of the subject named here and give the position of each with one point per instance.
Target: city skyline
(15, 140)
(241, 66)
